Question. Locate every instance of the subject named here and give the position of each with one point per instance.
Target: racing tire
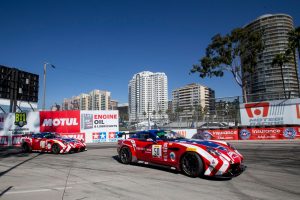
(191, 164)
(55, 149)
(125, 155)
(26, 147)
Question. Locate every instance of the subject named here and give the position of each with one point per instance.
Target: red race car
(191, 156)
(51, 142)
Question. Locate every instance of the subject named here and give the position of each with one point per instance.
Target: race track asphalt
(273, 173)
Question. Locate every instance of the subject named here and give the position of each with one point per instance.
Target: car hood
(205, 143)
(225, 150)
(69, 139)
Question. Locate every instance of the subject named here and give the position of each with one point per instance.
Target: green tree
(236, 52)
(178, 110)
(293, 46)
(279, 60)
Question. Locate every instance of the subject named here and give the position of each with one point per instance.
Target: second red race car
(193, 157)
(51, 142)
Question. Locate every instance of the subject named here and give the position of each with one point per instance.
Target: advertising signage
(268, 113)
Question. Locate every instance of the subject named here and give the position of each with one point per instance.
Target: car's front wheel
(55, 149)
(26, 148)
(191, 164)
(125, 155)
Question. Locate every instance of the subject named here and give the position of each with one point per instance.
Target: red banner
(269, 133)
(3, 140)
(60, 121)
(221, 134)
(16, 140)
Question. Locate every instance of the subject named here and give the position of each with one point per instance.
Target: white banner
(14, 125)
(100, 126)
(278, 112)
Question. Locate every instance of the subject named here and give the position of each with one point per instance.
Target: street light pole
(44, 96)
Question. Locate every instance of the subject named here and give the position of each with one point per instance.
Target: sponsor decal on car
(156, 151)
(172, 156)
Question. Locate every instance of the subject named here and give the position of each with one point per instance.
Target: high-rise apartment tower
(148, 96)
(266, 82)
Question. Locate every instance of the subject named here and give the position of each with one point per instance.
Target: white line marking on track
(39, 190)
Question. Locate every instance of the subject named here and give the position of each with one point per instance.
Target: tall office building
(95, 100)
(148, 96)
(266, 82)
(191, 96)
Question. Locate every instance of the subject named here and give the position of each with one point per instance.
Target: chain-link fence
(218, 112)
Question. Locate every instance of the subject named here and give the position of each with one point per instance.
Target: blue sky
(98, 44)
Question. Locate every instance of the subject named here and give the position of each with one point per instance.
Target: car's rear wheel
(191, 164)
(125, 155)
(55, 149)
(26, 148)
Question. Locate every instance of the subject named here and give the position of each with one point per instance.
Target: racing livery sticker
(172, 156)
(156, 151)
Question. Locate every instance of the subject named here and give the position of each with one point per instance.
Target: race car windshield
(169, 135)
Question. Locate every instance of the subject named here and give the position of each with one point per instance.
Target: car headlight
(213, 151)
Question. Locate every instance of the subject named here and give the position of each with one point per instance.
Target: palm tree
(293, 45)
(279, 60)
(144, 113)
(154, 113)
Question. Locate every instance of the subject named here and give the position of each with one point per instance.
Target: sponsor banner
(14, 125)
(269, 133)
(100, 120)
(60, 121)
(3, 140)
(217, 134)
(100, 126)
(78, 136)
(187, 133)
(16, 140)
(104, 137)
(268, 113)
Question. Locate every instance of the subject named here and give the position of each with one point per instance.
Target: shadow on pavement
(6, 190)
(21, 163)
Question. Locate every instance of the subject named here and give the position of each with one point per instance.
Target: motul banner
(279, 112)
(60, 121)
